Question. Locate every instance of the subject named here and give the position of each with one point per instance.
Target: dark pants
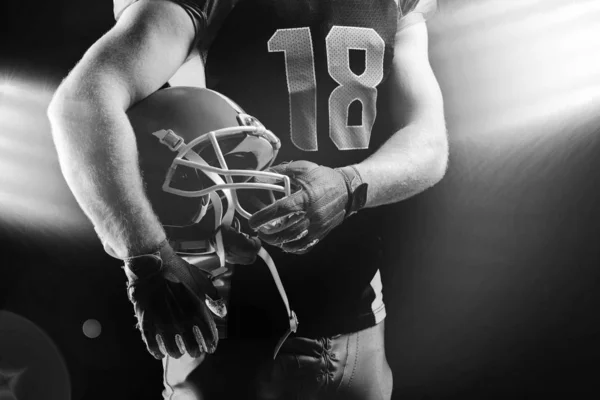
(349, 367)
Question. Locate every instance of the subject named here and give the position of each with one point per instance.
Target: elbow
(436, 162)
(77, 101)
(72, 118)
(68, 143)
(71, 112)
(68, 100)
(63, 97)
(441, 161)
(61, 107)
(55, 108)
(57, 113)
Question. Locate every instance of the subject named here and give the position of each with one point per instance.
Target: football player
(348, 89)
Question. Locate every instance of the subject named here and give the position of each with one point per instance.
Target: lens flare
(34, 198)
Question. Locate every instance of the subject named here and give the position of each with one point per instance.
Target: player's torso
(310, 70)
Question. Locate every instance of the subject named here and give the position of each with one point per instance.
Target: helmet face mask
(194, 142)
(228, 174)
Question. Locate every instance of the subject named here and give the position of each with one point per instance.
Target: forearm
(98, 157)
(412, 160)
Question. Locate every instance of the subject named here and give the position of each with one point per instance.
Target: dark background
(496, 291)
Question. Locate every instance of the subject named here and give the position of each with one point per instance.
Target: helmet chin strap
(293, 319)
(226, 220)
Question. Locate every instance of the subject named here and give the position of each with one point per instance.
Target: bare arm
(93, 137)
(415, 157)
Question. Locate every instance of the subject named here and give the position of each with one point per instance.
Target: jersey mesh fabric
(354, 87)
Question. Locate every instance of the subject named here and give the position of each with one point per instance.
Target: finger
(305, 244)
(300, 247)
(198, 309)
(176, 312)
(171, 320)
(267, 179)
(149, 338)
(180, 344)
(294, 168)
(239, 247)
(152, 345)
(241, 258)
(168, 345)
(293, 233)
(199, 338)
(187, 340)
(281, 223)
(293, 204)
(205, 329)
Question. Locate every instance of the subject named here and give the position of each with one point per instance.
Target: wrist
(162, 250)
(126, 246)
(357, 189)
(147, 265)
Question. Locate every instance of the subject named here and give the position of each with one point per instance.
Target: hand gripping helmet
(196, 149)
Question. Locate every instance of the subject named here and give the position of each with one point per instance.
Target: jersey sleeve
(411, 12)
(207, 15)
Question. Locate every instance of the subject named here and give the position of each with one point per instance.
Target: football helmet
(194, 141)
(196, 149)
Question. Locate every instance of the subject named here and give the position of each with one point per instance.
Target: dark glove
(319, 203)
(175, 303)
(239, 247)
